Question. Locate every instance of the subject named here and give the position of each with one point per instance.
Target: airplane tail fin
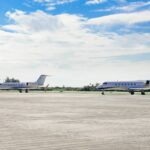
(40, 81)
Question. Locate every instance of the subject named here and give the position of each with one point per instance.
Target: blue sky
(75, 7)
(92, 40)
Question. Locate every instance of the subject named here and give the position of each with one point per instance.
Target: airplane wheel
(103, 93)
(142, 93)
(26, 90)
(132, 92)
(20, 91)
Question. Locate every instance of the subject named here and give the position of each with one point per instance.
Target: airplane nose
(99, 87)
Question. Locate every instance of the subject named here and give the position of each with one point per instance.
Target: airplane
(129, 86)
(39, 84)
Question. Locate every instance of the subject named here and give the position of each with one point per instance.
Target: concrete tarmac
(74, 121)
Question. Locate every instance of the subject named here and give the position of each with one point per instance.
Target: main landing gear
(142, 93)
(26, 91)
(20, 91)
(132, 92)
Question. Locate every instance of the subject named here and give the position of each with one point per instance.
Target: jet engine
(147, 83)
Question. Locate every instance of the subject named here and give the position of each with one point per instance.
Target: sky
(78, 42)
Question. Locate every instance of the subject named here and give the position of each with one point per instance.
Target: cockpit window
(105, 83)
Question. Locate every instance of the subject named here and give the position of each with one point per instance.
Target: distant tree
(11, 80)
(90, 87)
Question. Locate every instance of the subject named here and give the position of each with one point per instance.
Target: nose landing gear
(103, 93)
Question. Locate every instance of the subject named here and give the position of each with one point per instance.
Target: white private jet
(39, 84)
(129, 86)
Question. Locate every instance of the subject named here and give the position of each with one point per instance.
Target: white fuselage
(12, 85)
(126, 85)
(24, 85)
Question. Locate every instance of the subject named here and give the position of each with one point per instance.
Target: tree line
(90, 87)
(11, 80)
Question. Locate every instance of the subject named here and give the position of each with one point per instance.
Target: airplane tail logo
(40, 81)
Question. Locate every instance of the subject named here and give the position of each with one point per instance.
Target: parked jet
(129, 86)
(39, 84)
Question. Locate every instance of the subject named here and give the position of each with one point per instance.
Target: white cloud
(134, 6)
(89, 2)
(55, 2)
(51, 4)
(127, 8)
(122, 18)
(62, 45)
